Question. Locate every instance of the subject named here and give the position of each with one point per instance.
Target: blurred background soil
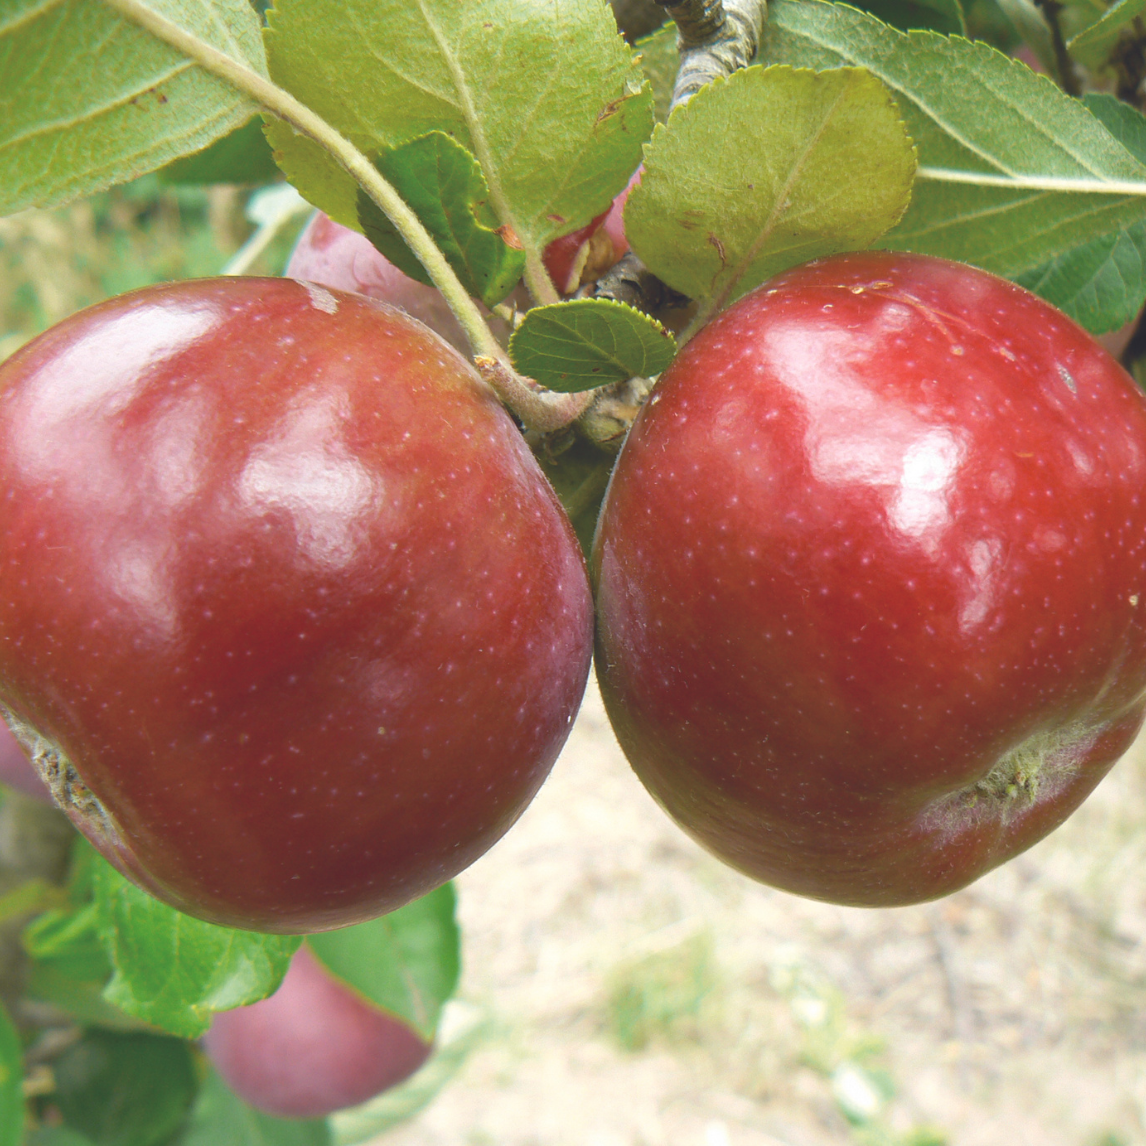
(635, 992)
(623, 988)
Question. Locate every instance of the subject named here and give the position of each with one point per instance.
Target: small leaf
(825, 166)
(125, 1089)
(68, 964)
(443, 185)
(174, 971)
(70, 967)
(11, 1083)
(220, 1118)
(587, 342)
(244, 156)
(1014, 175)
(1092, 45)
(88, 99)
(406, 962)
(546, 95)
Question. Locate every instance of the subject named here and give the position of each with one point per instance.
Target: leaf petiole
(1032, 182)
(534, 406)
(282, 104)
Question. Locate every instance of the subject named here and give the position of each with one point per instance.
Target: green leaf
(70, 967)
(938, 15)
(174, 971)
(443, 185)
(244, 156)
(33, 895)
(56, 1136)
(1101, 284)
(406, 962)
(546, 95)
(826, 167)
(587, 342)
(125, 1089)
(11, 1083)
(1092, 45)
(81, 998)
(1013, 173)
(88, 99)
(220, 1118)
(71, 941)
(68, 964)
(1127, 124)
(660, 61)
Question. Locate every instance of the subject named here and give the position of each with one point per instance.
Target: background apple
(872, 578)
(313, 1047)
(335, 256)
(585, 254)
(285, 589)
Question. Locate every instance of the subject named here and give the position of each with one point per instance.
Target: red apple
(16, 769)
(585, 254)
(291, 617)
(335, 256)
(313, 1047)
(872, 578)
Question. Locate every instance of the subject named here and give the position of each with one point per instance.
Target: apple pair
(868, 579)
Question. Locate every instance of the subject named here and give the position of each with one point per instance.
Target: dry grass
(641, 994)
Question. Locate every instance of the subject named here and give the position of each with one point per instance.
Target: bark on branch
(717, 37)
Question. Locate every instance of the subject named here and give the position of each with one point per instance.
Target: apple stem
(1064, 65)
(278, 102)
(537, 279)
(716, 38)
(538, 408)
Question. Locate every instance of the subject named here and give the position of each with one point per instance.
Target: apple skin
(292, 622)
(313, 1047)
(871, 578)
(603, 239)
(335, 256)
(16, 770)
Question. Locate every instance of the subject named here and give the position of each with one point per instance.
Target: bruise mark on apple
(68, 790)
